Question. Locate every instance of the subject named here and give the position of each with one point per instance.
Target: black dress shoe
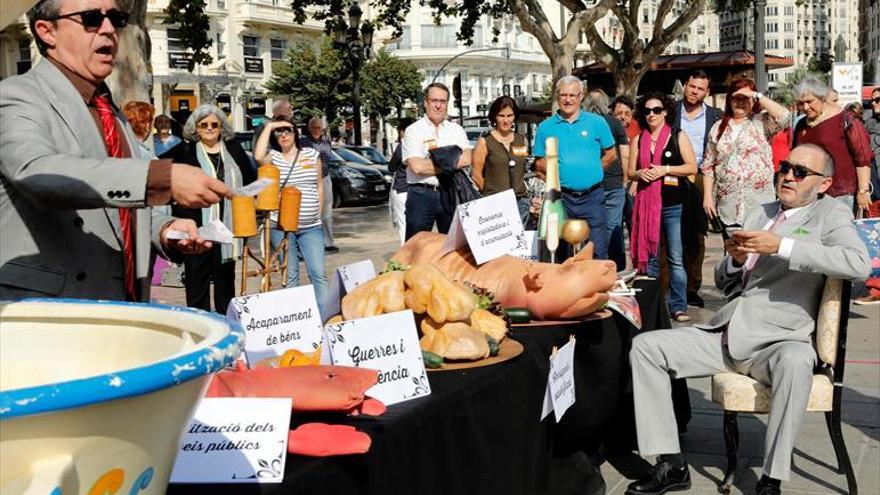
(694, 299)
(663, 478)
(331, 249)
(767, 488)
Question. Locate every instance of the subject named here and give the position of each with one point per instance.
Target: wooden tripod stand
(273, 261)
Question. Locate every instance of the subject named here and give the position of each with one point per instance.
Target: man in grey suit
(773, 276)
(74, 190)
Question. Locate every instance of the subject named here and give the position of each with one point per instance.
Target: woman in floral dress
(738, 166)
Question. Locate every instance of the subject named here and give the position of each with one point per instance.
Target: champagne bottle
(552, 192)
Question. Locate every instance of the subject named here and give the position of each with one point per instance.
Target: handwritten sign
(491, 226)
(388, 343)
(846, 79)
(559, 395)
(277, 321)
(346, 278)
(234, 441)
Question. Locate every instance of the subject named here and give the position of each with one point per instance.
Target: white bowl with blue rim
(94, 396)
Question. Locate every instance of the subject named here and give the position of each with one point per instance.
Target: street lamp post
(760, 66)
(357, 47)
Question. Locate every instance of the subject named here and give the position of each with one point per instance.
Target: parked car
(474, 133)
(356, 183)
(351, 157)
(370, 153)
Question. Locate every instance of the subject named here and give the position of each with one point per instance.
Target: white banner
(846, 79)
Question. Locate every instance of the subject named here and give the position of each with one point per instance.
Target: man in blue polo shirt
(585, 145)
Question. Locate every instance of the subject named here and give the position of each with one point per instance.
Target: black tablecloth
(479, 431)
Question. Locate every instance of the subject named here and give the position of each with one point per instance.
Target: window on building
(442, 36)
(403, 42)
(789, 27)
(478, 37)
(221, 4)
(24, 56)
(789, 10)
(789, 44)
(221, 46)
(174, 43)
(251, 46)
(277, 49)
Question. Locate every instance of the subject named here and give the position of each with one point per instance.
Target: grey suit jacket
(58, 194)
(780, 299)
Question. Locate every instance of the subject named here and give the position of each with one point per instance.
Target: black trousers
(423, 209)
(199, 271)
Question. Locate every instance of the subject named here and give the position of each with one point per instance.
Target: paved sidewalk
(366, 233)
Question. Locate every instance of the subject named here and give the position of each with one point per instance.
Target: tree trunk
(132, 78)
(561, 64)
(627, 79)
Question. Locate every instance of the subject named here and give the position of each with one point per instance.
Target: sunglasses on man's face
(655, 110)
(800, 172)
(876, 100)
(209, 125)
(94, 18)
(283, 131)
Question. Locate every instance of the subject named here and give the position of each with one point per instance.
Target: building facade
(799, 30)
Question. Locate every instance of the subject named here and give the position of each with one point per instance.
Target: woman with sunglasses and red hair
(738, 166)
(210, 145)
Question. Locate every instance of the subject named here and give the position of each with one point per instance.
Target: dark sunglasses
(655, 110)
(94, 18)
(800, 172)
(209, 125)
(740, 98)
(876, 100)
(282, 131)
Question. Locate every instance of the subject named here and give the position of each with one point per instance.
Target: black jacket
(186, 153)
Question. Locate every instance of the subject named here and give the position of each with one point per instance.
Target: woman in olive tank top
(499, 158)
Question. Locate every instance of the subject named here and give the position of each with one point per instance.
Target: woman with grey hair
(840, 134)
(210, 145)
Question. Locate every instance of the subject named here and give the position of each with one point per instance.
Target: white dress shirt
(785, 245)
(422, 136)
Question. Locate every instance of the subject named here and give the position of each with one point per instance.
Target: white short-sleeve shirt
(422, 136)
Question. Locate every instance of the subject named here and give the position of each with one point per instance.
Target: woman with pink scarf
(662, 160)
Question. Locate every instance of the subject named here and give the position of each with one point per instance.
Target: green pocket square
(800, 231)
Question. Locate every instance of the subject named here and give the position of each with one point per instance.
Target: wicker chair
(738, 393)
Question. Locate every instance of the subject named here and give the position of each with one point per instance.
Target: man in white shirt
(773, 276)
(423, 206)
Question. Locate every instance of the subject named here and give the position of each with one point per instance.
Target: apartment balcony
(274, 13)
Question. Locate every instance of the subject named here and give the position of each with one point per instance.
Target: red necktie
(114, 149)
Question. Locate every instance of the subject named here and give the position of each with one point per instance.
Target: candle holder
(244, 210)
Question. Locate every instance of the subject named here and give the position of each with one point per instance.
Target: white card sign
(346, 278)
(388, 343)
(490, 226)
(277, 321)
(529, 251)
(559, 395)
(231, 440)
(846, 79)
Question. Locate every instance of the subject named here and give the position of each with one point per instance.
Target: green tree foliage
(387, 82)
(314, 78)
(784, 93)
(822, 65)
(192, 20)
